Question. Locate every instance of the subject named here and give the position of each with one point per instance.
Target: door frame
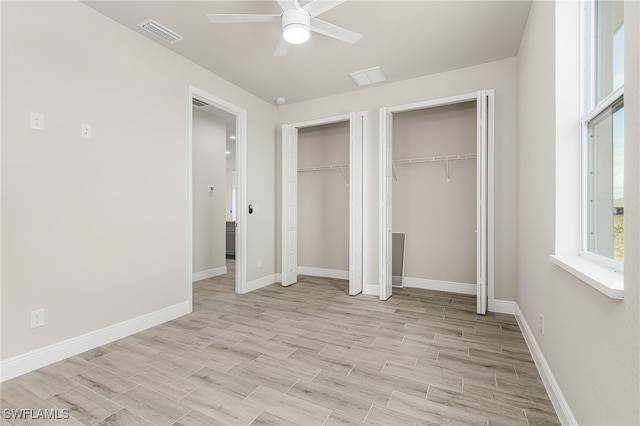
(484, 293)
(241, 186)
(289, 247)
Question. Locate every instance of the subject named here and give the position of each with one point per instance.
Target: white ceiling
(406, 38)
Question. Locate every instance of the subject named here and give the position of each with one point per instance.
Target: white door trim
(383, 193)
(358, 126)
(241, 190)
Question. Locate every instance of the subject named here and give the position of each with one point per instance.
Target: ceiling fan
(297, 22)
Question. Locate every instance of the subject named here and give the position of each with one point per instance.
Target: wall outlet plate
(37, 318)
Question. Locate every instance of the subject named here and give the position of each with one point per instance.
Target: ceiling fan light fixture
(296, 25)
(296, 33)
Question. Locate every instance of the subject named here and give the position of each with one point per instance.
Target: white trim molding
(209, 273)
(38, 358)
(322, 272)
(449, 286)
(261, 282)
(551, 385)
(371, 289)
(502, 306)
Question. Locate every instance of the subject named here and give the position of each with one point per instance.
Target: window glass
(605, 183)
(608, 47)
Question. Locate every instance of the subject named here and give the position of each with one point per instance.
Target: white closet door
(289, 204)
(481, 193)
(386, 169)
(355, 199)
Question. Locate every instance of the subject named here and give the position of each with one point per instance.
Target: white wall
(498, 75)
(438, 215)
(95, 231)
(590, 341)
(209, 208)
(323, 197)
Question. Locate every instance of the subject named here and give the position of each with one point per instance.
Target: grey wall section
(323, 197)
(498, 75)
(106, 239)
(590, 341)
(209, 168)
(439, 216)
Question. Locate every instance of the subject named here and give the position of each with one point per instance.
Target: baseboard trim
(371, 289)
(209, 273)
(38, 358)
(502, 306)
(551, 385)
(449, 286)
(261, 282)
(322, 272)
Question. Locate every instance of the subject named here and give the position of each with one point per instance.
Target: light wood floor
(307, 354)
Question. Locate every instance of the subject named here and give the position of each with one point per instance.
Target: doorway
(232, 121)
(483, 157)
(354, 178)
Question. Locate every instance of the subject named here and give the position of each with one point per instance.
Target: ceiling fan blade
(317, 7)
(232, 18)
(287, 4)
(282, 48)
(330, 30)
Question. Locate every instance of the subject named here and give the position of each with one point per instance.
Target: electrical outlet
(86, 131)
(36, 120)
(37, 318)
(542, 324)
(259, 263)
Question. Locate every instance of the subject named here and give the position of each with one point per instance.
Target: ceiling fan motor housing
(295, 25)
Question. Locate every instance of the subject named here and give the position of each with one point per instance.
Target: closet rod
(445, 158)
(340, 167)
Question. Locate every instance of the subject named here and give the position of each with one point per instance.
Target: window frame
(590, 110)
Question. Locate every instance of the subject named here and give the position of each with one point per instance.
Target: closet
(434, 195)
(323, 200)
(436, 187)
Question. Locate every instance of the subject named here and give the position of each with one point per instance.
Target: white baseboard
(261, 282)
(451, 287)
(371, 289)
(38, 358)
(502, 306)
(209, 273)
(553, 389)
(322, 272)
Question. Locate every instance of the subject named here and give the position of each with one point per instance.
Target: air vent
(161, 31)
(368, 76)
(199, 103)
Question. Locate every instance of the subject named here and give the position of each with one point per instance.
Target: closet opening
(436, 191)
(322, 199)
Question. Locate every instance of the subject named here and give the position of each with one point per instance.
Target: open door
(386, 179)
(290, 210)
(481, 196)
(356, 145)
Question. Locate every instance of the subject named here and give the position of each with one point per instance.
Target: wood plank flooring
(304, 355)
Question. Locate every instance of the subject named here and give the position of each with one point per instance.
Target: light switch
(36, 120)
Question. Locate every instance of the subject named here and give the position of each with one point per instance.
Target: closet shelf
(340, 167)
(444, 158)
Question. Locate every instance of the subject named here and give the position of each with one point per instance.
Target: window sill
(603, 279)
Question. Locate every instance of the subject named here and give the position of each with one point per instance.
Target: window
(603, 133)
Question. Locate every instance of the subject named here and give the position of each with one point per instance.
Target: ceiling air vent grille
(199, 103)
(161, 31)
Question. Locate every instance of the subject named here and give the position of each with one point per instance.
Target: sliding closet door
(386, 173)
(290, 206)
(482, 191)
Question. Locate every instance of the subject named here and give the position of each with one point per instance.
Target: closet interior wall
(323, 199)
(436, 211)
